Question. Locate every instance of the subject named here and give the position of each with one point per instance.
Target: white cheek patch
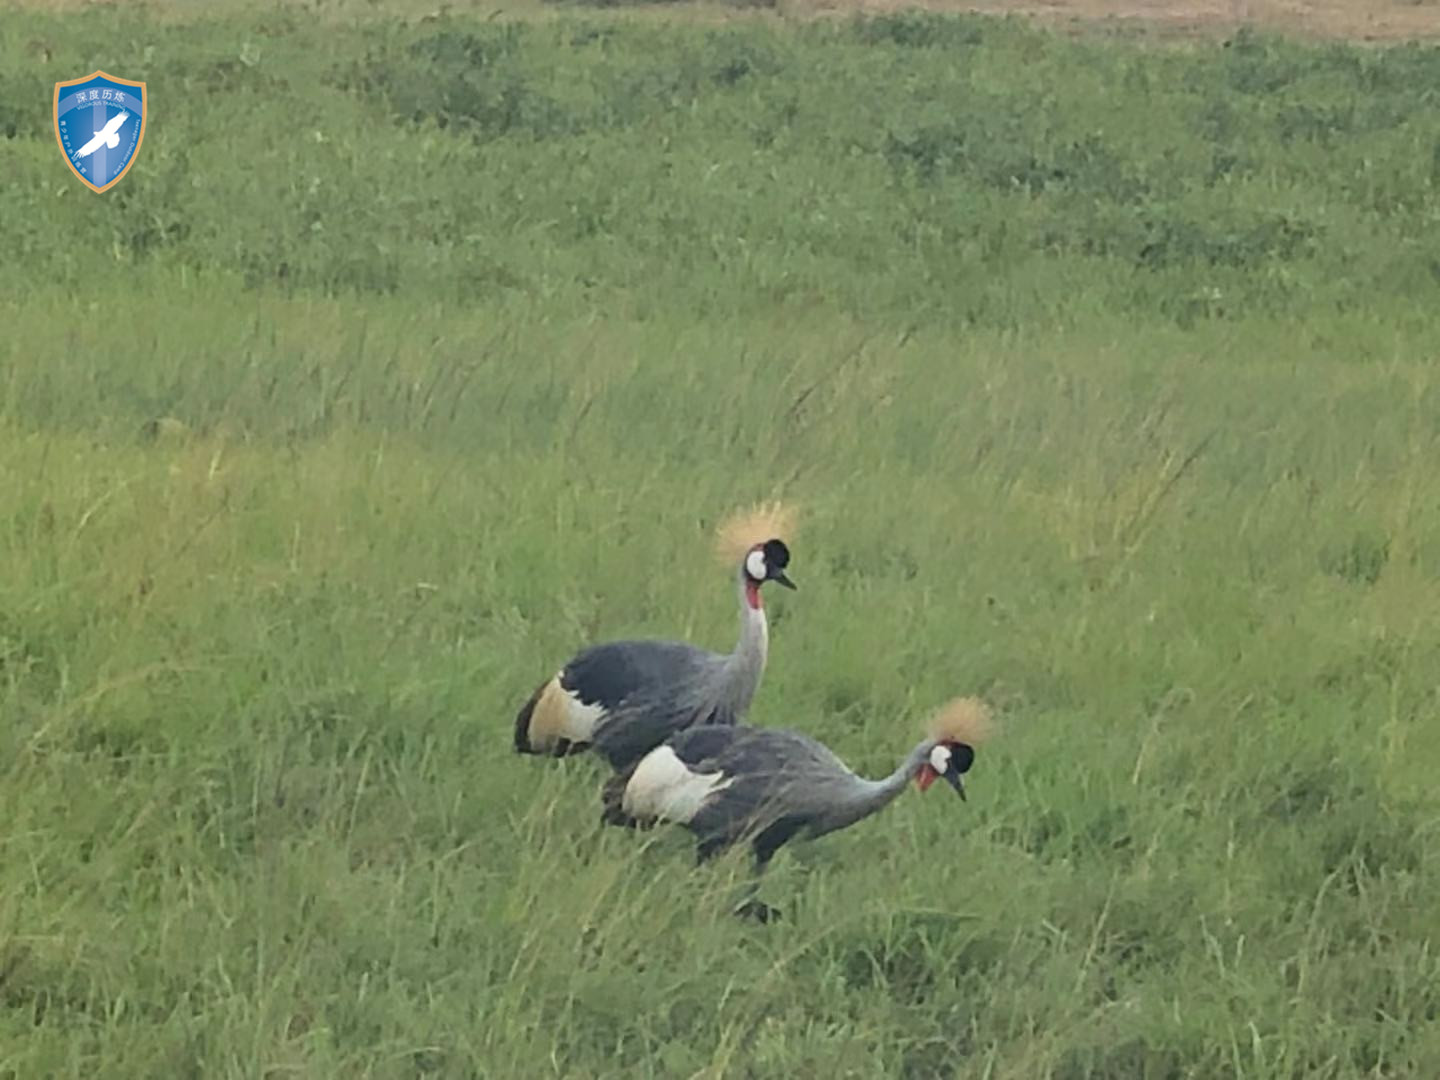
(755, 565)
(940, 759)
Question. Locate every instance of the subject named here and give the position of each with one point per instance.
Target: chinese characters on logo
(86, 96)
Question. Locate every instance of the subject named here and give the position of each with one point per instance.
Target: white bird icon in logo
(107, 135)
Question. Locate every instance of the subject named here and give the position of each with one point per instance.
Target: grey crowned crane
(625, 698)
(767, 786)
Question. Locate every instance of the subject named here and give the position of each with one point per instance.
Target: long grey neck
(861, 797)
(746, 664)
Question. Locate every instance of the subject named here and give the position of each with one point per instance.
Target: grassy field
(412, 355)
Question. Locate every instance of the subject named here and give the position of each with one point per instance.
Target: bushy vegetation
(410, 357)
(964, 171)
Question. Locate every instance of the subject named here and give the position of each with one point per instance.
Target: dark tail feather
(522, 723)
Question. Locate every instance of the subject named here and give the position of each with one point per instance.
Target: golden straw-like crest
(741, 531)
(964, 720)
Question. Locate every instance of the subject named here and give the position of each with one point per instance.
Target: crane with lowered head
(767, 786)
(624, 698)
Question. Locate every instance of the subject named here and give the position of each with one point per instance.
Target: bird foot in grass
(754, 909)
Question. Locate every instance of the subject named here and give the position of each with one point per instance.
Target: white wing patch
(559, 714)
(580, 719)
(663, 787)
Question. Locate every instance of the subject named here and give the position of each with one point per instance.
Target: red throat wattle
(752, 594)
(925, 777)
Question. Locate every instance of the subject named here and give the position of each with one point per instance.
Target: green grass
(410, 357)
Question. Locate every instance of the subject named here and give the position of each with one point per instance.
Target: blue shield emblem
(99, 124)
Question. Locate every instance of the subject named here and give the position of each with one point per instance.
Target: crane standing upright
(625, 698)
(764, 785)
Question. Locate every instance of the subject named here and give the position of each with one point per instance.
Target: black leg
(750, 907)
(764, 847)
(758, 910)
(708, 849)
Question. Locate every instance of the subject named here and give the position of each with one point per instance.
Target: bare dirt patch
(1362, 20)
(1358, 20)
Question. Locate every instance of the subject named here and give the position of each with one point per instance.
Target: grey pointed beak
(780, 578)
(954, 779)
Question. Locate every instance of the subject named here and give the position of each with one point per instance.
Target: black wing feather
(649, 690)
(607, 675)
(700, 747)
(628, 734)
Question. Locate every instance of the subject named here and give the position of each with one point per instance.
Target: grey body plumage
(767, 786)
(675, 686)
(774, 777)
(624, 698)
